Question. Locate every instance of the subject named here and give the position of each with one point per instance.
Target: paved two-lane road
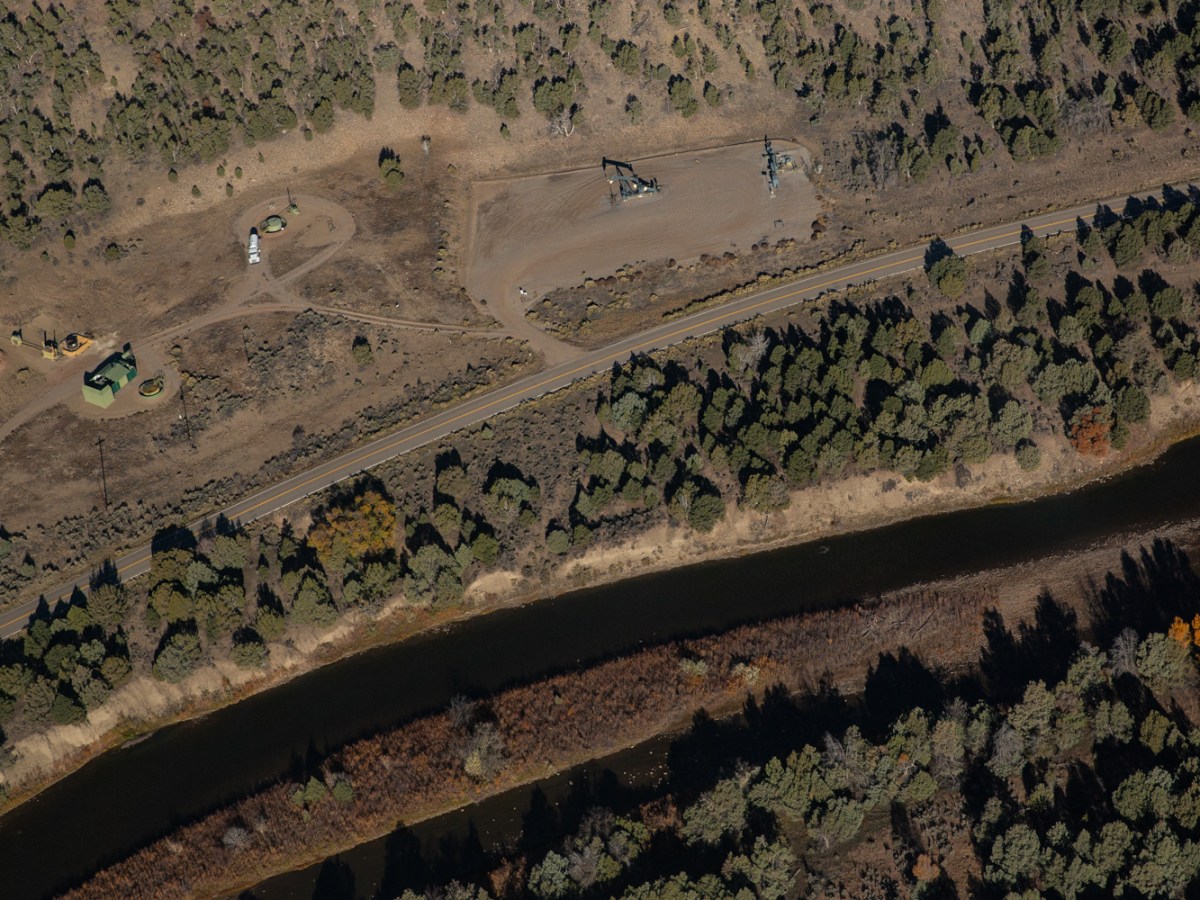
(474, 411)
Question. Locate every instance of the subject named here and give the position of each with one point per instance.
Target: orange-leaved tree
(1180, 631)
(1091, 431)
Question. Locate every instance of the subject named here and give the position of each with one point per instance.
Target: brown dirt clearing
(552, 231)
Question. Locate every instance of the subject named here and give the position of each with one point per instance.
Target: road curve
(473, 411)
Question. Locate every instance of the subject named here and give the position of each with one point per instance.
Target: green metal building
(100, 386)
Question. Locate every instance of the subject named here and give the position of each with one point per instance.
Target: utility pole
(245, 346)
(103, 478)
(183, 398)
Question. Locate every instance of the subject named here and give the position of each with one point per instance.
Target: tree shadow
(105, 573)
(346, 493)
(335, 881)
(777, 724)
(1173, 198)
(896, 685)
(1147, 595)
(457, 856)
(405, 866)
(937, 250)
(172, 537)
(1041, 651)
(540, 822)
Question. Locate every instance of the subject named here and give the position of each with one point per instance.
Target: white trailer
(252, 250)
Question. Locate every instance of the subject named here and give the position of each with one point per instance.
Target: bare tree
(483, 752)
(1124, 653)
(462, 712)
(235, 838)
(583, 865)
(756, 346)
(878, 154)
(1085, 115)
(562, 123)
(1008, 751)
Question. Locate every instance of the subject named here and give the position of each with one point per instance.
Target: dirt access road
(531, 235)
(476, 410)
(322, 227)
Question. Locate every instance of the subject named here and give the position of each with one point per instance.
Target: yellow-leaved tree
(356, 527)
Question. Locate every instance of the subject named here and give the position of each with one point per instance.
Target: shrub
(310, 794)
(66, 710)
(343, 791)
(408, 82)
(270, 623)
(683, 99)
(1128, 245)
(558, 542)
(389, 170)
(1029, 457)
(483, 753)
(1132, 404)
(706, 511)
(949, 275)
(178, 655)
(313, 605)
(361, 351)
(249, 651)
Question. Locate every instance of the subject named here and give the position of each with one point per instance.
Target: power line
(103, 478)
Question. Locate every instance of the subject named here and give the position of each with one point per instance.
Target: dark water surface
(126, 797)
(460, 843)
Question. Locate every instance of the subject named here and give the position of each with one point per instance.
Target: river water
(461, 844)
(128, 796)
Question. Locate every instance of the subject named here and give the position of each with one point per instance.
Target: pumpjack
(775, 162)
(628, 182)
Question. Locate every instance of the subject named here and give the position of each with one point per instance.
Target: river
(463, 842)
(126, 797)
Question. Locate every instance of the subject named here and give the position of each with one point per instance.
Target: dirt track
(552, 231)
(322, 228)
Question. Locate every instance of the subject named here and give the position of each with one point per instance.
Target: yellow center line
(596, 361)
(605, 358)
(613, 356)
(17, 619)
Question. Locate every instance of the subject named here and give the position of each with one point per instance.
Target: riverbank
(545, 726)
(496, 825)
(815, 513)
(560, 722)
(183, 772)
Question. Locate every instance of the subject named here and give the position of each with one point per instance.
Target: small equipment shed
(100, 386)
